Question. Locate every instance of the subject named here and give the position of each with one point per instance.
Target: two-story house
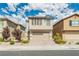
(6, 22)
(40, 29)
(68, 28)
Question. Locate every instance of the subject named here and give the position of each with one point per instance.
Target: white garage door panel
(72, 37)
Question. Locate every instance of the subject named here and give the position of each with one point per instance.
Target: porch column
(51, 35)
(30, 34)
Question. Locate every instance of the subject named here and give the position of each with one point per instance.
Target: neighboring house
(40, 28)
(6, 22)
(68, 28)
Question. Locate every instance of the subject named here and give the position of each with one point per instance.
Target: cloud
(12, 6)
(4, 10)
(20, 11)
(14, 11)
(58, 10)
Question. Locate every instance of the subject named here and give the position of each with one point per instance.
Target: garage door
(71, 37)
(40, 38)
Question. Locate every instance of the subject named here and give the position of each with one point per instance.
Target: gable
(74, 15)
(68, 25)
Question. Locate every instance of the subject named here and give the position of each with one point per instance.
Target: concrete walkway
(23, 47)
(43, 42)
(37, 45)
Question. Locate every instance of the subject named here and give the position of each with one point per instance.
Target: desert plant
(57, 36)
(1, 39)
(12, 41)
(6, 33)
(17, 34)
(24, 40)
(69, 43)
(77, 43)
(58, 39)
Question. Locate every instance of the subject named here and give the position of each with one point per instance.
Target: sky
(19, 12)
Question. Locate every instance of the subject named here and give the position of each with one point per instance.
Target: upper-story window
(74, 23)
(39, 22)
(33, 21)
(36, 22)
(48, 22)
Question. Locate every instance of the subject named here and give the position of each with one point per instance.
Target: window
(39, 22)
(74, 23)
(36, 22)
(48, 22)
(33, 21)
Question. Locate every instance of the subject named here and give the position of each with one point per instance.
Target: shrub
(1, 40)
(6, 32)
(24, 40)
(17, 33)
(69, 43)
(77, 43)
(12, 41)
(58, 39)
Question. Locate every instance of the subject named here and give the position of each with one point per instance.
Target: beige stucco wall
(43, 26)
(66, 25)
(72, 37)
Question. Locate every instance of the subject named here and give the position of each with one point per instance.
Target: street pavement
(41, 53)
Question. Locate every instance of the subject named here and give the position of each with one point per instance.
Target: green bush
(1, 40)
(69, 43)
(24, 40)
(12, 41)
(58, 39)
(77, 43)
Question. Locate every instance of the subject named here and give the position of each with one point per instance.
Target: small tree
(6, 33)
(57, 36)
(58, 39)
(17, 34)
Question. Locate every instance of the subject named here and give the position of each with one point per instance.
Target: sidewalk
(20, 47)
